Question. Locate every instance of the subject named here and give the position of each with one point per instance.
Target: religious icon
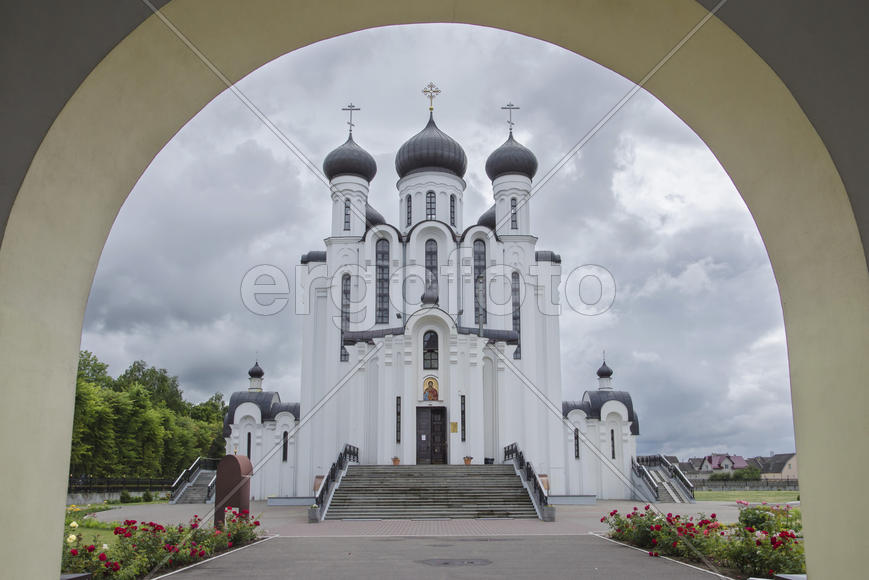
(430, 392)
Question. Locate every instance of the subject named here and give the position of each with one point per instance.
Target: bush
(721, 476)
(126, 497)
(764, 542)
(747, 474)
(143, 546)
(147, 497)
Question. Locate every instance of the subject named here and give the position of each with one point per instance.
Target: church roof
(431, 149)
(547, 256)
(256, 371)
(488, 218)
(593, 401)
(269, 404)
(314, 256)
(350, 159)
(373, 217)
(511, 157)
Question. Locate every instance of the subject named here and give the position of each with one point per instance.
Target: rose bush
(140, 547)
(765, 541)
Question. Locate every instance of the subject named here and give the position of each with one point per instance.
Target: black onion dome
(256, 371)
(488, 218)
(511, 157)
(604, 371)
(431, 148)
(350, 159)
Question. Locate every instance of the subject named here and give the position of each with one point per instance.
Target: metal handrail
(348, 454)
(211, 487)
(537, 491)
(643, 473)
(189, 474)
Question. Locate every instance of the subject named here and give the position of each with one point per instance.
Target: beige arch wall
(150, 85)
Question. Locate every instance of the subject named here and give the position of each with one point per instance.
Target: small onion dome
(256, 371)
(488, 218)
(350, 159)
(511, 157)
(604, 371)
(433, 149)
(373, 217)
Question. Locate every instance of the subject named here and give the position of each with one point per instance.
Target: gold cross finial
(350, 108)
(510, 108)
(431, 91)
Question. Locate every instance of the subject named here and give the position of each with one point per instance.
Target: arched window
(345, 314)
(430, 350)
(430, 206)
(613, 443)
(286, 446)
(382, 274)
(409, 211)
(479, 282)
(453, 210)
(346, 215)
(431, 262)
(248, 445)
(576, 442)
(517, 322)
(514, 220)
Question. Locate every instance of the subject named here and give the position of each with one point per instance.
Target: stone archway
(151, 84)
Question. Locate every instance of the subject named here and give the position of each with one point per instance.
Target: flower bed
(140, 547)
(766, 540)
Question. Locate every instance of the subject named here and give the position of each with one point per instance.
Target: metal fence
(115, 484)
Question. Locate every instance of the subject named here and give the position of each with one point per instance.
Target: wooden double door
(431, 435)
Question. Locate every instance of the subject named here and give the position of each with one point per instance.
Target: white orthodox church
(427, 338)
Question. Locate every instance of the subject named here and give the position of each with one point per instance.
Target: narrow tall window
(345, 314)
(430, 350)
(409, 205)
(517, 320)
(346, 215)
(382, 291)
(398, 419)
(576, 442)
(464, 431)
(286, 445)
(248, 445)
(431, 262)
(613, 442)
(453, 210)
(514, 220)
(430, 206)
(479, 282)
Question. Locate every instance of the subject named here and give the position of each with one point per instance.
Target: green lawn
(750, 496)
(96, 536)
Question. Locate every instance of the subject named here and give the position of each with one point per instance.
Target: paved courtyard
(422, 549)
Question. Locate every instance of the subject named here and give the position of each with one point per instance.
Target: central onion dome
(604, 371)
(511, 157)
(350, 159)
(431, 149)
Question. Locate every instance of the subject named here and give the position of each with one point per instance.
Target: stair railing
(535, 489)
(643, 473)
(333, 478)
(677, 474)
(190, 474)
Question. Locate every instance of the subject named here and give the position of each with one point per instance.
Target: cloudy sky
(695, 332)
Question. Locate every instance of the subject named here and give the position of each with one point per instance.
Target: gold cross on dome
(431, 91)
(350, 108)
(510, 108)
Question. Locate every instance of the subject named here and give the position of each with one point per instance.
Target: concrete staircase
(197, 490)
(669, 489)
(430, 492)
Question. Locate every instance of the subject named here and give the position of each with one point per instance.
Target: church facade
(433, 340)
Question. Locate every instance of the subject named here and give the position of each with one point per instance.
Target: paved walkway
(424, 549)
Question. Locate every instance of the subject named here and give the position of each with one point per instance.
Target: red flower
(256, 522)
(74, 552)
(229, 544)
(128, 535)
(647, 507)
(654, 542)
(675, 543)
(602, 519)
(657, 554)
(749, 529)
(116, 566)
(91, 548)
(201, 553)
(651, 553)
(658, 527)
(103, 557)
(712, 516)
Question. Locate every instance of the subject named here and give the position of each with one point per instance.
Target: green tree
(161, 387)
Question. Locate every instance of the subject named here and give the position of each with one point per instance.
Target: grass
(770, 496)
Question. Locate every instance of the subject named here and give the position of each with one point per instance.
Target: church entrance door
(431, 435)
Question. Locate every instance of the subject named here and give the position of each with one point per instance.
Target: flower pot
(468, 460)
(396, 460)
